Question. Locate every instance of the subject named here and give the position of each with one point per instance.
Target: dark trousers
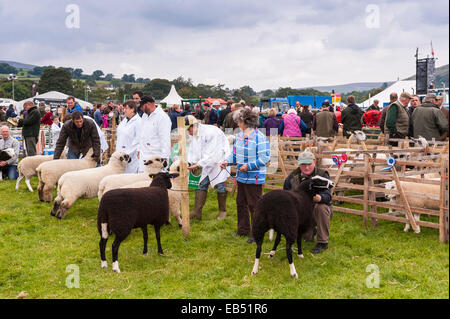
(30, 145)
(247, 196)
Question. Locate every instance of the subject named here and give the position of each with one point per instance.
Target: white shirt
(154, 136)
(128, 134)
(208, 148)
(55, 129)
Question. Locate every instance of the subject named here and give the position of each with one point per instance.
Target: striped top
(254, 151)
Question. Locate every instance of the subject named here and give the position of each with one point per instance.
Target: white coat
(128, 133)
(208, 148)
(154, 136)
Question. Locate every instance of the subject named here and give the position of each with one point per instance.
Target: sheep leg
(115, 251)
(18, 181)
(102, 245)
(275, 245)
(40, 191)
(299, 246)
(258, 255)
(158, 240)
(289, 257)
(27, 181)
(145, 234)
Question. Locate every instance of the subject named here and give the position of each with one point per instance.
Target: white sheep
(152, 166)
(50, 172)
(85, 183)
(174, 192)
(430, 200)
(27, 167)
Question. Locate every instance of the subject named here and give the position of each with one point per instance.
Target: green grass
(35, 250)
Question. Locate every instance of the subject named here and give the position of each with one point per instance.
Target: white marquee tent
(399, 87)
(52, 96)
(173, 97)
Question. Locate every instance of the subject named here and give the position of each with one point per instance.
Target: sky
(264, 44)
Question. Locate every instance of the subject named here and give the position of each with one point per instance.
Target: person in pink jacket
(292, 125)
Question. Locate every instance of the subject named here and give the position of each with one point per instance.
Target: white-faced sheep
(84, 183)
(27, 168)
(123, 209)
(152, 166)
(289, 213)
(428, 198)
(174, 193)
(50, 172)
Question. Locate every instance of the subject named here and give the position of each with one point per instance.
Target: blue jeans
(11, 171)
(204, 185)
(72, 155)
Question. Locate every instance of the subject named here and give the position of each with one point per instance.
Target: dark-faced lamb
(6, 155)
(289, 213)
(123, 209)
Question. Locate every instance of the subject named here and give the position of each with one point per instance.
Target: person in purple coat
(272, 122)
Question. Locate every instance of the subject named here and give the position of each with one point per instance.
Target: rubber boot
(200, 199)
(222, 200)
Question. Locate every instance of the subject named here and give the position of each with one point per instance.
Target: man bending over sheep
(322, 210)
(82, 136)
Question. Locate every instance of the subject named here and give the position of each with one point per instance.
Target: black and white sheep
(289, 213)
(123, 209)
(6, 155)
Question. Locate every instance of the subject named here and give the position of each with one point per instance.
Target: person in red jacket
(372, 117)
(47, 118)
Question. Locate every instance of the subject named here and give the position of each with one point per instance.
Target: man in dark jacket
(82, 136)
(428, 121)
(223, 114)
(374, 106)
(351, 117)
(322, 211)
(30, 127)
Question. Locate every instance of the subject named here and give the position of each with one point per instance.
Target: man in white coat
(128, 134)
(208, 148)
(155, 132)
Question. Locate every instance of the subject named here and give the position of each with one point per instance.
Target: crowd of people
(144, 130)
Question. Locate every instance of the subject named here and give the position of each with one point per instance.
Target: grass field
(36, 249)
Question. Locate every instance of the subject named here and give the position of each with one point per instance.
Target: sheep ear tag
(391, 162)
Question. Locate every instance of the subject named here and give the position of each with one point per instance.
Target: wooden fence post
(443, 203)
(184, 177)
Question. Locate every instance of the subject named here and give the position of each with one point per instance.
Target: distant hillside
(350, 87)
(19, 65)
(442, 75)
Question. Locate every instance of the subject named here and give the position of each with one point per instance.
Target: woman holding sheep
(251, 153)
(128, 133)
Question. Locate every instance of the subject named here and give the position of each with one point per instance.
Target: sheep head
(175, 167)
(7, 154)
(155, 164)
(120, 158)
(162, 179)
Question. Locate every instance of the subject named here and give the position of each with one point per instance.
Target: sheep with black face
(289, 213)
(123, 209)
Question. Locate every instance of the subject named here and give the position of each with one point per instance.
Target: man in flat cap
(322, 211)
(397, 118)
(428, 121)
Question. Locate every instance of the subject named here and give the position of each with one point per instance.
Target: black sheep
(289, 213)
(123, 209)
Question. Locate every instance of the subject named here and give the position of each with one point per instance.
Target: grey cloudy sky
(264, 44)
